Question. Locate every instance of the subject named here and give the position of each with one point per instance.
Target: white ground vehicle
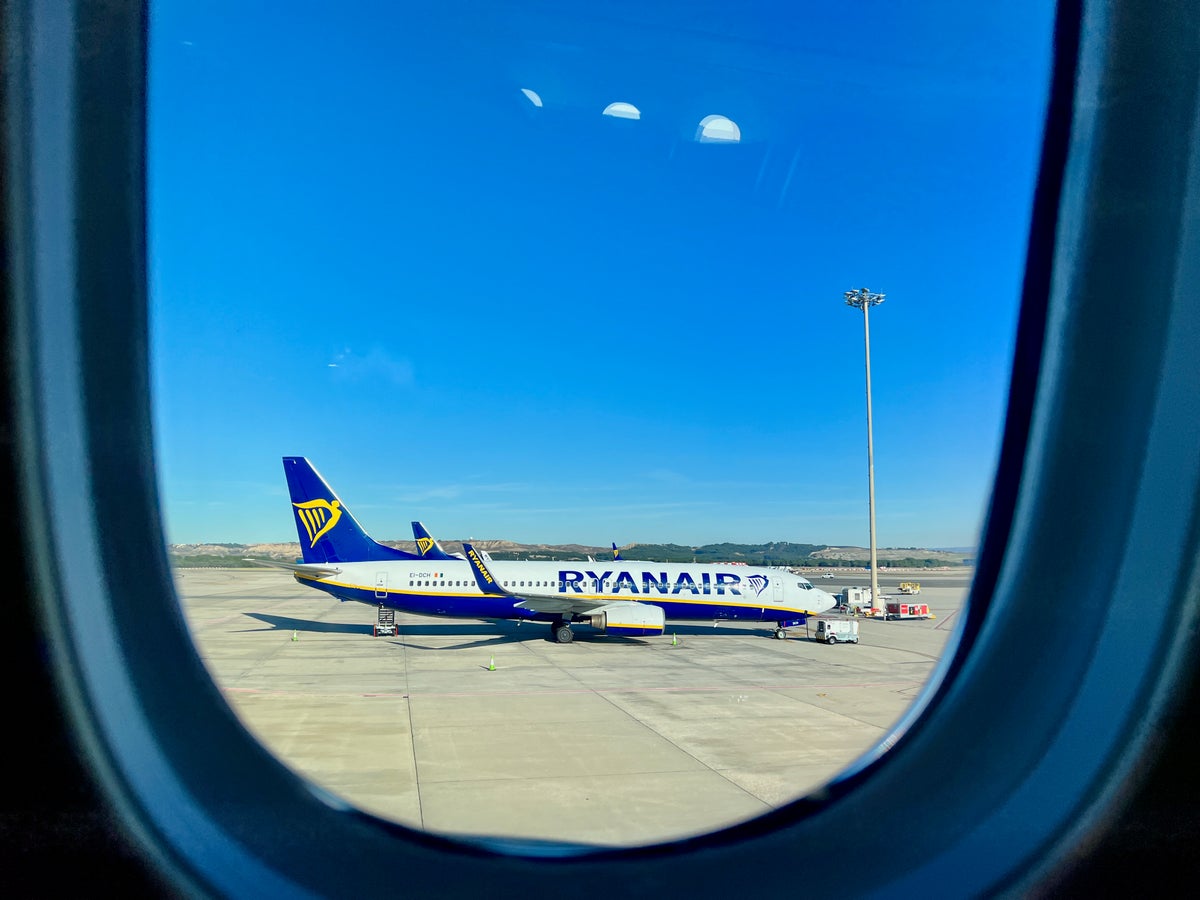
(831, 631)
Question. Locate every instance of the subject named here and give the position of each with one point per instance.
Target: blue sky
(369, 247)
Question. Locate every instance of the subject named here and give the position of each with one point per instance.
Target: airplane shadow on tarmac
(742, 629)
(285, 623)
(490, 633)
(499, 632)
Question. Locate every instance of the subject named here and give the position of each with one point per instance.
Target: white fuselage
(684, 590)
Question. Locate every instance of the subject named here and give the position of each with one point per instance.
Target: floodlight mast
(863, 299)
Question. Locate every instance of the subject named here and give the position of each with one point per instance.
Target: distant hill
(893, 556)
(782, 553)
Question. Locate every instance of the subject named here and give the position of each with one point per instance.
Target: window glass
(640, 222)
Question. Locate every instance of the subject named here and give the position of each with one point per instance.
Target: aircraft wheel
(563, 634)
(780, 634)
(832, 639)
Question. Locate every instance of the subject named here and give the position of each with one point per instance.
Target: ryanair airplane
(622, 597)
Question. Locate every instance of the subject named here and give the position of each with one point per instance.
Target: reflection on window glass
(634, 224)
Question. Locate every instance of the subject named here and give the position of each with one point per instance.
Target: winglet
(483, 577)
(427, 546)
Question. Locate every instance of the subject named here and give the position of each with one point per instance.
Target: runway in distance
(624, 597)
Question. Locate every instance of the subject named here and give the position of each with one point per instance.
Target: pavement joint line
(574, 777)
(883, 729)
(946, 621)
(690, 755)
(905, 684)
(571, 673)
(412, 736)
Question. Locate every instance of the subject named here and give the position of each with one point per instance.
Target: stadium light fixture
(863, 299)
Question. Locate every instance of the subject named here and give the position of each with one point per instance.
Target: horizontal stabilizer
(313, 570)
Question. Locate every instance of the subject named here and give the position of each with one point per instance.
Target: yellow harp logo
(424, 545)
(318, 516)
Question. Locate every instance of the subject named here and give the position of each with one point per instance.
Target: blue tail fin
(427, 547)
(616, 553)
(328, 532)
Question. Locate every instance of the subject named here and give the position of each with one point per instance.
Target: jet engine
(632, 619)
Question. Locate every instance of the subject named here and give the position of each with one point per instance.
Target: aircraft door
(773, 597)
(381, 585)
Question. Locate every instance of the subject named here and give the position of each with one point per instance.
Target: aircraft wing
(558, 603)
(547, 603)
(313, 570)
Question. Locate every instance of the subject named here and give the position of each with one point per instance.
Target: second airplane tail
(328, 532)
(427, 545)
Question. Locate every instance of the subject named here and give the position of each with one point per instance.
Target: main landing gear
(780, 634)
(561, 631)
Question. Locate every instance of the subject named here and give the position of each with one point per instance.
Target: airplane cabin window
(328, 189)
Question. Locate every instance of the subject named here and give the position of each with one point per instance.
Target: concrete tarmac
(605, 741)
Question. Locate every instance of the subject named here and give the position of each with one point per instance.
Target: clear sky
(401, 239)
